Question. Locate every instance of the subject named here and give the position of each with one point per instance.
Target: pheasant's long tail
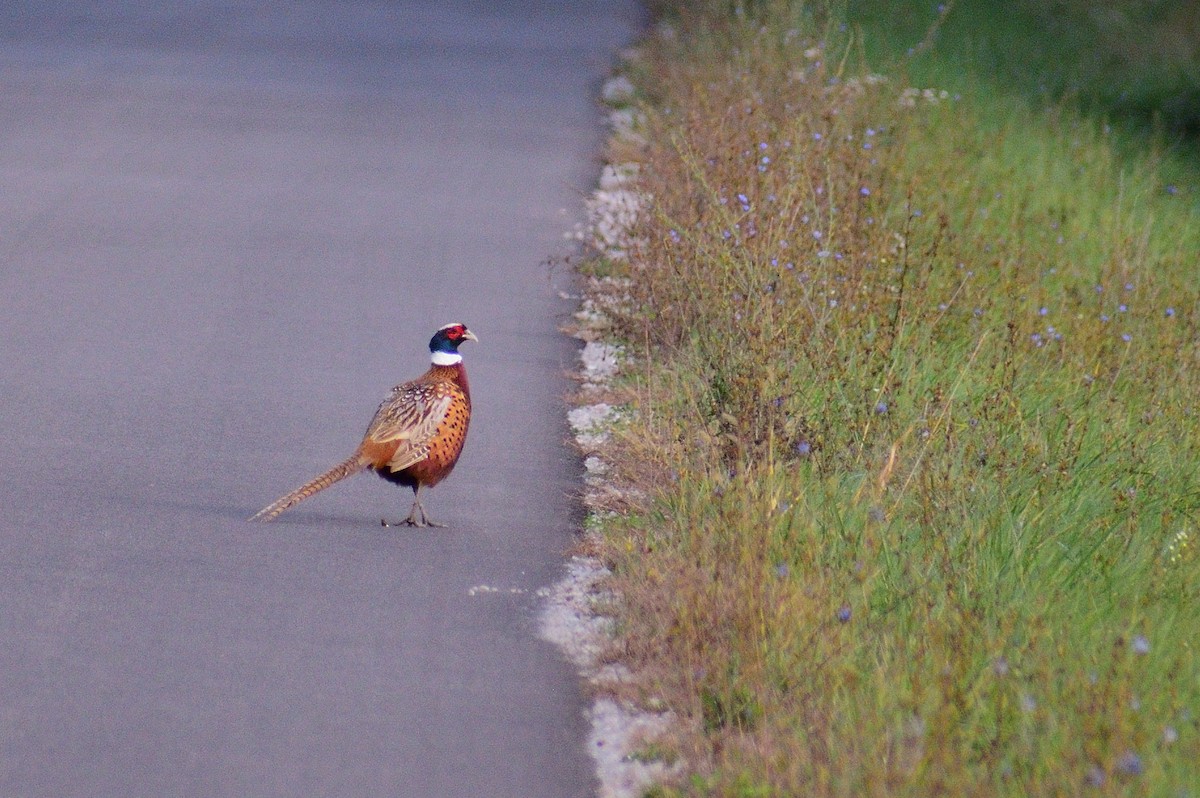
(339, 472)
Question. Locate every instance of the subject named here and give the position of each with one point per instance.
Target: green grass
(1134, 61)
(924, 383)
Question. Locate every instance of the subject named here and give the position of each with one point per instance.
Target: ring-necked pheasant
(417, 433)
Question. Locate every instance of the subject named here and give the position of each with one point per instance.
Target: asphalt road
(226, 229)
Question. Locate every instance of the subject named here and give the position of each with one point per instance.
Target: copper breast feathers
(420, 428)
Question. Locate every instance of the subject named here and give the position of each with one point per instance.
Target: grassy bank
(915, 423)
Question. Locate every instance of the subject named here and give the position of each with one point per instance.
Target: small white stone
(594, 465)
(617, 90)
(600, 360)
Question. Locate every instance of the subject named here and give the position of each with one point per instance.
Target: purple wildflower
(1130, 763)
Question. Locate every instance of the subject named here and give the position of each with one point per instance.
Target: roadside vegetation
(913, 414)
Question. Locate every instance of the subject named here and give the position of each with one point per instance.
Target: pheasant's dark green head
(443, 346)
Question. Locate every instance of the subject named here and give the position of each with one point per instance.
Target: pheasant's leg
(417, 517)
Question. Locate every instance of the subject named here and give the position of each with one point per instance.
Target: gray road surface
(226, 229)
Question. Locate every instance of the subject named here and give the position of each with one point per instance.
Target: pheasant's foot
(415, 518)
(410, 521)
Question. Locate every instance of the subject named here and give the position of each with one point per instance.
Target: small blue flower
(866, 192)
(782, 570)
(1172, 190)
(1140, 645)
(881, 407)
(1122, 308)
(817, 136)
(762, 145)
(1130, 764)
(843, 613)
(1126, 337)
(804, 448)
(674, 235)
(1043, 311)
(1170, 312)
(1128, 286)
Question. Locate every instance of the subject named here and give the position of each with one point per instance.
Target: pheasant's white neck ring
(446, 358)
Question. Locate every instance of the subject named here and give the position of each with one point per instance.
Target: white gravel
(600, 360)
(573, 615)
(571, 620)
(588, 423)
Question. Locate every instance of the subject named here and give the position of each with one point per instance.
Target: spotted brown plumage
(417, 433)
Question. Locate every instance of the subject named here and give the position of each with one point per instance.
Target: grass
(1134, 60)
(915, 424)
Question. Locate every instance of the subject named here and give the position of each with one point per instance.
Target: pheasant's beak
(470, 336)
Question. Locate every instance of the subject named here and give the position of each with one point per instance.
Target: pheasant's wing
(410, 416)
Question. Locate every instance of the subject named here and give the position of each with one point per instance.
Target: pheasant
(417, 433)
